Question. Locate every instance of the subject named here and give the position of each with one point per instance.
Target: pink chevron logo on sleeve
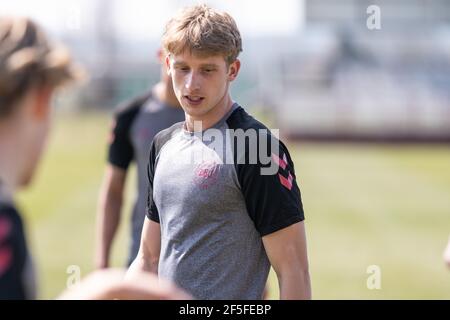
(280, 162)
(286, 182)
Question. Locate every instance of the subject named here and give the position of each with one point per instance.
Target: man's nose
(192, 82)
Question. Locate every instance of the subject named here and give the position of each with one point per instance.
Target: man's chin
(195, 111)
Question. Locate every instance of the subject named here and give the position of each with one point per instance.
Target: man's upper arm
(151, 241)
(151, 232)
(286, 248)
(115, 179)
(273, 200)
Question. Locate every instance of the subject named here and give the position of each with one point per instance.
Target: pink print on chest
(206, 174)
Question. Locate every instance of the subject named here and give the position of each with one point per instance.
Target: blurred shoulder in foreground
(110, 284)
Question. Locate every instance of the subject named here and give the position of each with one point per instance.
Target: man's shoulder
(242, 122)
(252, 137)
(240, 119)
(162, 137)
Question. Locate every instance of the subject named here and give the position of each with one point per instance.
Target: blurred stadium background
(366, 113)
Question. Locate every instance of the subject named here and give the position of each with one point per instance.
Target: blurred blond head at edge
(31, 69)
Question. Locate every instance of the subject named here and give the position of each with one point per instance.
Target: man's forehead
(197, 59)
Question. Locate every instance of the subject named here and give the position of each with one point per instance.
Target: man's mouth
(194, 99)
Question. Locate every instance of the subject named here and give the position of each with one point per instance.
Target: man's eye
(182, 68)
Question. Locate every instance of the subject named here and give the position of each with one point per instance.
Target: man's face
(200, 83)
(36, 126)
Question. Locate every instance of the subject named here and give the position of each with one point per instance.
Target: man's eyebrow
(179, 63)
(209, 65)
(204, 65)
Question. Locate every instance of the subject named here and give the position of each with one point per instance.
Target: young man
(31, 69)
(135, 125)
(217, 218)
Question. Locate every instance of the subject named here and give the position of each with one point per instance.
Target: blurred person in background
(31, 69)
(135, 124)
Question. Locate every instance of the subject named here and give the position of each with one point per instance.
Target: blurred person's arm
(109, 213)
(147, 258)
(110, 284)
(120, 155)
(447, 254)
(286, 250)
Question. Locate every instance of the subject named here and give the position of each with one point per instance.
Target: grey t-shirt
(136, 124)
(213, 208)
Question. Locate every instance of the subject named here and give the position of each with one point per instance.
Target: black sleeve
(273, 200)
(158, 142)
(12, 255)
(120, 151)
(152, 211)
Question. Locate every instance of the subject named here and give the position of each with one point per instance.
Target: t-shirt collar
(218, 124)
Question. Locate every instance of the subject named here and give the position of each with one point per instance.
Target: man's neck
(211, 118)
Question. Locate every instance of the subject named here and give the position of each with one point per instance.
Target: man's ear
(233, 70)
(169, 70)
(41, 107)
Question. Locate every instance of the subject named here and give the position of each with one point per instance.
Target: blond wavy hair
(27, 59)
(203, 31)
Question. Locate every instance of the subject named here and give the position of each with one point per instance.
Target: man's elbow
(305, 282)
(295, 286)
(110, 202)
(294, 278)
(113, 195)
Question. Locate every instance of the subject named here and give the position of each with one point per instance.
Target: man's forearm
(107, 224)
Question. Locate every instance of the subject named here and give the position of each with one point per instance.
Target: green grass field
(365, 205)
